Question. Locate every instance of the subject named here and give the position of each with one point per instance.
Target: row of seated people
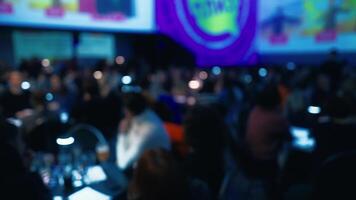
(204, 148)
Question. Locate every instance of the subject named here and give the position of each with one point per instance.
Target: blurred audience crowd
(190, 133)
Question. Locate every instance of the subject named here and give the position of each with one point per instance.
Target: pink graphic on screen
(326, 36)
(278, 39)
(6, 8)
(55, 12)
(88, 6)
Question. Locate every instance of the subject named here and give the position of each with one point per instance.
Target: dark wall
(6, 48)
(161, 51)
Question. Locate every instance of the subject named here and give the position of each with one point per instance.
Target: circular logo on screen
(215, 24)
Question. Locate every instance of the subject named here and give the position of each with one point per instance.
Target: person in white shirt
(140, 130)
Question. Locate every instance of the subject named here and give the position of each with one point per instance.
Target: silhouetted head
(268, 97)
(163, 111)
(338, 107)
(157, 177)
(15, 79)
(134, 103)
(56, 83)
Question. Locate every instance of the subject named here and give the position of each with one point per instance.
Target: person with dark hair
(174, 130)
(63, 97)
(157, 176)
(266, 133)
(42, 127)
(14, 100)
(267, 129)
(333, 67)
(16, 181)
(31, 67)
(140, 130)
(205, 133)
(89, 108)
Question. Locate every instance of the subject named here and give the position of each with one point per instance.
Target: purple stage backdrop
(219, 32)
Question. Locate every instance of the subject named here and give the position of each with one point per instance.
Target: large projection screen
(99, 15)
(306, 26)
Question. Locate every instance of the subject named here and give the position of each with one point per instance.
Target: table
(114, 185)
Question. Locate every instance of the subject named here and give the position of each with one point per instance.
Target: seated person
(14, 101)
(205, 134)
(267, 132)
(157, 176)
(267, 129)
(140, 130)
(16, 180)
(174, 130)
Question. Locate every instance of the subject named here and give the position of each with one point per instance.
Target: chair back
(87, 137)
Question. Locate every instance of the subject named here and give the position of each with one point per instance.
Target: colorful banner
(306, 26)
(97, 15)
(219, 32)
